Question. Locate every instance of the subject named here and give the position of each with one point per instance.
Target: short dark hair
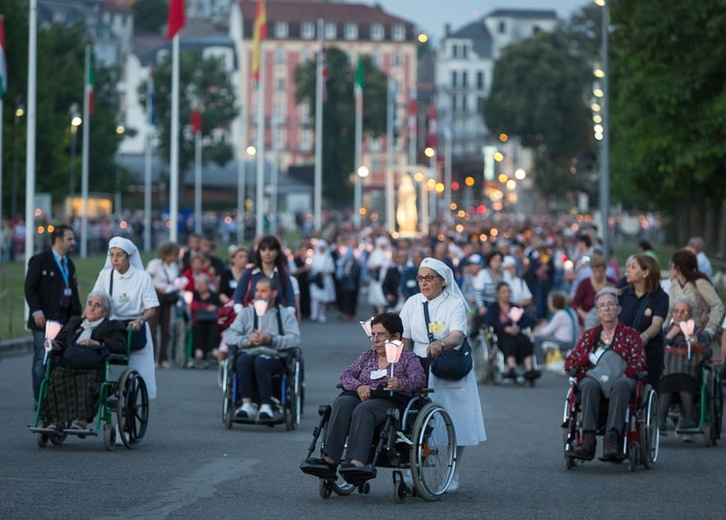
(269, 281)
(559, 299)
(390, 321)
(585, 238)
(59, 232)
(492, 255)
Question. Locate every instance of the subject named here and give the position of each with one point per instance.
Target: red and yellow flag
(260, 34)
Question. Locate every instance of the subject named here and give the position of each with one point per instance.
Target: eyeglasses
(379, 335)
(428, 279)
(608, 305)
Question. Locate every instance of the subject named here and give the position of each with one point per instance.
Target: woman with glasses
(644, 306)
(369, 392)
(447, 309)
(610, 335)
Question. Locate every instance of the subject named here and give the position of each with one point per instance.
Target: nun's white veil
(129, 248)
(447, 274)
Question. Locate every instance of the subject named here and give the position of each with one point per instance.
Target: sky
(432, 15)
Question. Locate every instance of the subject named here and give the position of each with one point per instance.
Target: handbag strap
(256, 323)
(428, 321)
(110, 283)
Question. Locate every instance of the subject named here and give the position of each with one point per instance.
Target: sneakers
(265, 412)
(586, 448)
(322, 319)
(246, 411)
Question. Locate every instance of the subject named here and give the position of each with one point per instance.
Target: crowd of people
(550, 284)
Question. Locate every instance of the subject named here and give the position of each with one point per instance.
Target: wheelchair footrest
(357, 475)
(324, 471)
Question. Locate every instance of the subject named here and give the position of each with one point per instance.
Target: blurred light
(363, 172)
(497, 206)
(599, 3)
(362, 211)
(431, 184)
(512, 198)
(168, 223)
(595, 107)
(598, 137)
(429, 152)
(440, 187)
(120, 129)
(597, 118)
(51, 228)
(598, 129)
(38, 212)
(568, 265)
(76, 121)
(459, 228)
(440, 237)
(598, 92)
(251, 150)
(19, 112)
(41, 230)
(520, 174)
(123, 224)
(503, 137)
(483, 237)
(599, 73)
(498, 156)
(503, 178)
(494, 232)
(511, 184)
(423, 38)
(453, 206)
(418, 176)
(455, 186)
(481, 209)
(469, 181)
(227, 219)
(461, 213)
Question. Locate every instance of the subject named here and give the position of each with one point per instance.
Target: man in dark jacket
(51, 291)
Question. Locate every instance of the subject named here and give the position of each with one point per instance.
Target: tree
(339, 115)
(539, 95)
(150, 15)
(668, 110)
(207, 83)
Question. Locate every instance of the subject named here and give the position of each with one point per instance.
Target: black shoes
(356, 475)
(611, 447)
(318, 467)
(586, 448)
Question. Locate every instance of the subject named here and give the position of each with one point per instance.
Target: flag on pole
(3, 63)
(432, 125)
(88, 90)
(324, 67)
(358, 87)
(150, 94)
(177, 18)
(412, 118)
(260, 33)
(196, 119)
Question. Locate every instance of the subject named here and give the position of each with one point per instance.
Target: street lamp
(19, 112)
(603, 74)
(117, 196)
(75, 123)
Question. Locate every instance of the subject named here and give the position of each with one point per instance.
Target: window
(281, 30)
(399, 33)
(464, 79)
(397, 59)
(453, 79)
(454, 51)
(377, 32)
(281, 84)
(278, 113)
(502, 27)
(480, 80)
(280, 57)
(304, 113)
(305, 139)
(351, 31)
(464, 51)
(306, 55)
(376, 59)
(331, 31)
(307, 30)
(278, 137)
(463, 103)
(453, 104)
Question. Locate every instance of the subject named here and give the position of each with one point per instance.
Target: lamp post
(19, 112)
(605, 140)
(75, 123)
(361, 173)
(117, 195)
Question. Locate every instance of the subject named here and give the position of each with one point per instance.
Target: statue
(406, 212)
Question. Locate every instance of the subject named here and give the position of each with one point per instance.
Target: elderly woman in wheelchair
(606, 363)
(369, 392)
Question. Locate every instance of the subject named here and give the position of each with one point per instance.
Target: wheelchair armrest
(422, 392)
(117, 358)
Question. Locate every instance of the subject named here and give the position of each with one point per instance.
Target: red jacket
(626, 342)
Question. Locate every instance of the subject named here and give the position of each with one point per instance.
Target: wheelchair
(641, 438)
(122, 395)
(488, 359)
(288, 391)
(420, 439)
(708, 405)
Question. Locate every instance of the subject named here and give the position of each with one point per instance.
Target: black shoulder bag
(137, 338)
(452, 364)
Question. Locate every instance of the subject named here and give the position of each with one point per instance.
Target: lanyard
(63, 270)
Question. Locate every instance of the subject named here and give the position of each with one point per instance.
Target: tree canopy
(339, 115)
(539, 94)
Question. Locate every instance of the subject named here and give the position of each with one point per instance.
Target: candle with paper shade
(516, 313)
(393, 353)
(188, 297)
(260, 307)
(366, 327)
(52, 328)
(687, 329)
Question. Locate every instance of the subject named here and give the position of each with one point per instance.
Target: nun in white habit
(134, 300)
(447, 308)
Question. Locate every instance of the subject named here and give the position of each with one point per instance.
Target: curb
(16, 346)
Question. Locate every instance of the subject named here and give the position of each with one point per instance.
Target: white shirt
(445, 311)
(133, 292)
(162, 274)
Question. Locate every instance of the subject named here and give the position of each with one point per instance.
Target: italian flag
(3, 62)
(88, 90)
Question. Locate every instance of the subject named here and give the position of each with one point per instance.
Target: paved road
(190, 466)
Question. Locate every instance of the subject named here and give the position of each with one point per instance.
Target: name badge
(67, 291)
(233, 284)
(436, 327)
(124, 298)
(411, 283)
(378, 374)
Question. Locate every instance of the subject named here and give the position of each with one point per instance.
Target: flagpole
(242, 154)
(84, 154)
(198, 183)
(318, 185)
(3, 78)
(274, 184)
(1, 162)
(389, 158)
(447, 169)
(174, 145)
(358, 188)
(260, 187)
(147, 194)
(30, 142)
(412, 118)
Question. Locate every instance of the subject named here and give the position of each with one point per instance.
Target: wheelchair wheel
(433, 452)
(133, 408)
(222, 375)
(633, 456)
(649, 432)
(325, 488)
(294, 402)
(480, 356)
(42, 440)
(716, 410)
(228, 403)
(109, 437)
(342, 488)
(58, 438)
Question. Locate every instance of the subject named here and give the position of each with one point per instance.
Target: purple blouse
(408, 370)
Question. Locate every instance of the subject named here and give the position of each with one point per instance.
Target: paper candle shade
(52, 328)
(260, 307)
(393, 351)
(366, 327)
(687, 327)
(516, 313)
(188, 297)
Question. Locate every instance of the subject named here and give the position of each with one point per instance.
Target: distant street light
(75, 123)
